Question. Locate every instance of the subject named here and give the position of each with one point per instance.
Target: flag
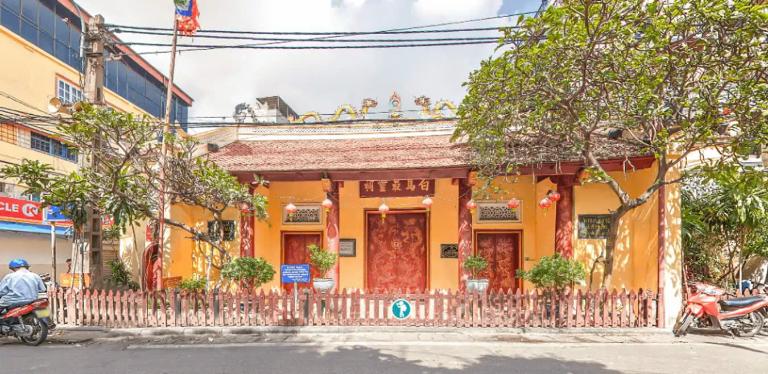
(186, 16)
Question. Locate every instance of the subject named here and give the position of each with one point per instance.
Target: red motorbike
(28, 323)
(706, 309)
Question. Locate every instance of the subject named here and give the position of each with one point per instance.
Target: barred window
(594, 226)
(41, 143)
(8, 133)
(52, 147)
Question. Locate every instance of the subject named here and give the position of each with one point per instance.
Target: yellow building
(404, 210)
(41, 59)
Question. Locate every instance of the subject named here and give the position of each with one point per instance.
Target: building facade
(406, 210)
(42, 59)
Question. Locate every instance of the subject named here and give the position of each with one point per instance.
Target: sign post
(295, 273)
(52, 215)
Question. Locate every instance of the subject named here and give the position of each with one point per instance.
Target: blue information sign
(53, 214)
(298, 273)
(401, 309)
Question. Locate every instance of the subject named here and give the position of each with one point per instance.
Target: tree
(590, 79)
(124, 181)
(724, 223)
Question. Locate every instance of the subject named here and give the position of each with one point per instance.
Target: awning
(33, 228)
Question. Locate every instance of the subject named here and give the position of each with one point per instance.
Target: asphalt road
(718, 356)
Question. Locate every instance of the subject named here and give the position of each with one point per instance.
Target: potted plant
(475, 264)
(248, 272)
(554, 274)
(322, 261)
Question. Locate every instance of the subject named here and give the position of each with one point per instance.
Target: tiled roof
(342, 154)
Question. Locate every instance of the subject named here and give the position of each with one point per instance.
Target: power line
(204, 33)
(222, 37)
(196, 47)
(116, 26)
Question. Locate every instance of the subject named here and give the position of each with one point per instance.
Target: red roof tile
(342, 154)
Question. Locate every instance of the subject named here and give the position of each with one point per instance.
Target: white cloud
(312, 79)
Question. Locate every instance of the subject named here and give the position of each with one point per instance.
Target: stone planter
(477, 285)
(323, 284)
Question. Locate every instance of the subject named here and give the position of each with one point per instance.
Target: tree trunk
(610, 246)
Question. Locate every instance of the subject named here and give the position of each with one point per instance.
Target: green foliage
(724, 213)
(195, 284)
(475, 264)
(119, 275)
(660, 76)
(248, 272)
(321, 259)
(554, 272)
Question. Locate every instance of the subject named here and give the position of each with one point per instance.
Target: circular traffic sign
(401, 309)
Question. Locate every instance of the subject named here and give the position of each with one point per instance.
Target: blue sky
(317, 80)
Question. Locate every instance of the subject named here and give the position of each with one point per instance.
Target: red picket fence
(173, 308)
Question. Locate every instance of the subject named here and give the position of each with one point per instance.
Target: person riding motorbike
(20, 287)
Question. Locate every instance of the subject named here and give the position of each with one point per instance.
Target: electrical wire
(204, 33)
(222, 37)
(192, 47)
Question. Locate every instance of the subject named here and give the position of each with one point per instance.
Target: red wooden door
(502, 250)
(396, 255)
(295, 252)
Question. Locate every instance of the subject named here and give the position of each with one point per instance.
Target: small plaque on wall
(449, 251)
(347, 248)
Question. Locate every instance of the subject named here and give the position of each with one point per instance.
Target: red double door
(396, 253)
(502, 250)
(295, 252)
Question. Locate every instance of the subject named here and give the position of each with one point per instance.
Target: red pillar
(332, 228)
(246, 230)
(465, 229)
(564, 216)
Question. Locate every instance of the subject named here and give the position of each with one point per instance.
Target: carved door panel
(295, 252)
(502, 250)
(396, 255)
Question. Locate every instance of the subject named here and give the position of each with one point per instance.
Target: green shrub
(196, 283)
(475, 264)
(554, 272)
(321, 259)
(119, 275)
(248, 272)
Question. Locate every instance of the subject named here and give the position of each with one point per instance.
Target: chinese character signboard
(397, 188)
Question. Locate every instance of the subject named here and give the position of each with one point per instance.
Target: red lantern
(327, 204)
(290, 209)
(383, 209)
(554, 196)
(427, 202)
(513, 203)
(545, 203)
(471, 204)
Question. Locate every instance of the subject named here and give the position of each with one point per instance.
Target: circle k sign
(20, 209)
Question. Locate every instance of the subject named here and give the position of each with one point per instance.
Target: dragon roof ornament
(441, 109)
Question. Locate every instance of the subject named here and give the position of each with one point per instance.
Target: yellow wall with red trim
(636, 253)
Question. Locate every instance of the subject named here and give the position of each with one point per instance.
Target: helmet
(18, 263)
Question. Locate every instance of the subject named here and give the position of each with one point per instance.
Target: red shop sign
(18, 209)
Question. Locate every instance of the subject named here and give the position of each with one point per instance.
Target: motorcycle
(28, 323)
(707, 309)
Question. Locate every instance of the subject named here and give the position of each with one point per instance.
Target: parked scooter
(28, 323)
(706, 309)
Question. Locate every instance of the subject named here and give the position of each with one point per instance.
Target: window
(229, 230)
(8, 133)
(68, 93)
(594, 226)
(53, 147)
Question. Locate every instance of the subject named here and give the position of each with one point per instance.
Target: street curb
(309, 330)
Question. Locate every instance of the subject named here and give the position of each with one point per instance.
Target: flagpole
(164, 154)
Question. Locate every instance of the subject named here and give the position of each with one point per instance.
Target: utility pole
(164, 154)
(88, 241)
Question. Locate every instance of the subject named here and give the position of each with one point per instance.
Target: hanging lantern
(427, 202)
(383, 209)
(513, 203)
(471, 204)
(327, 204)
(554, 196)
(545, 203)
(290, 209)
